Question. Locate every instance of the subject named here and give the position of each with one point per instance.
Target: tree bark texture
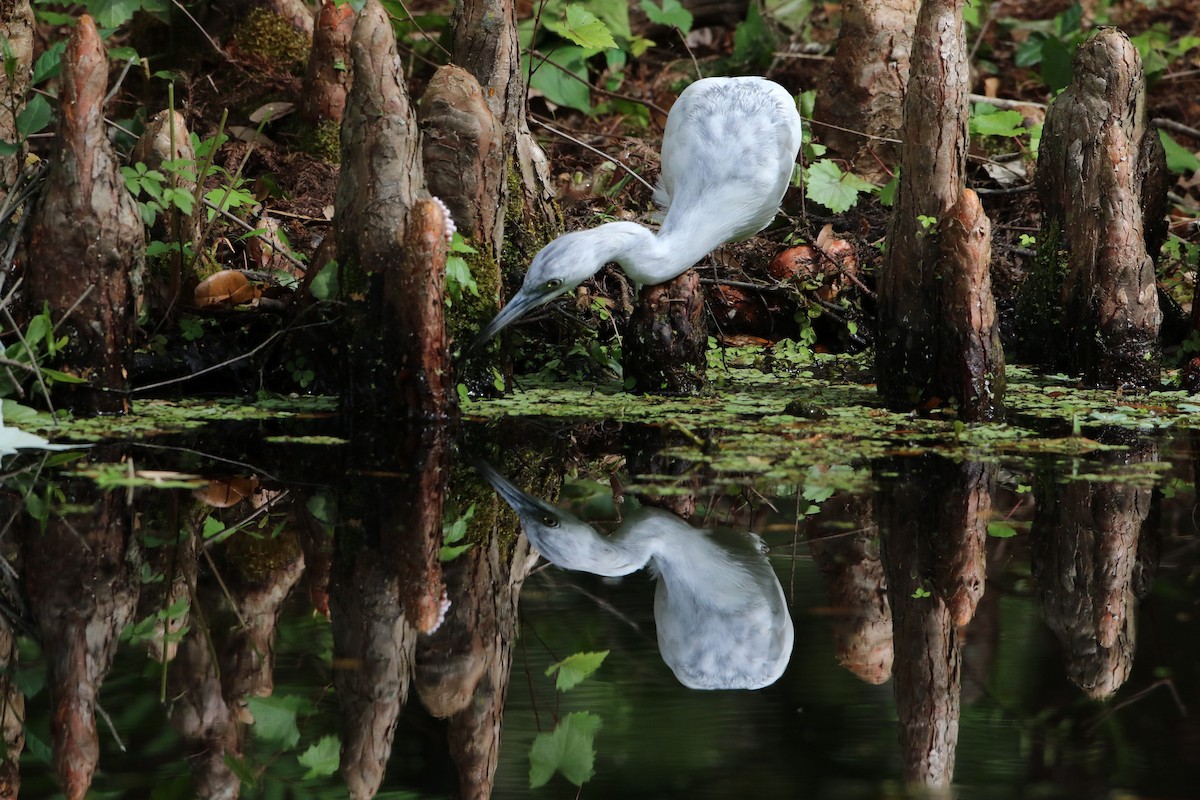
(864, 96)
(392, 273)
(327, 78)
(927, 668)
(932, 163)
(463, 151)
(1100, 180)
(971, 369)
(87, 242)
(485, 44)
(12, 717)
(1086, 558)
(857, 589)
(16, 29)
(413, 517)
(666, 340)
(81, 580)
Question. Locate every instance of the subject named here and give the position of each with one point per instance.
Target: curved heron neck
(648, 257)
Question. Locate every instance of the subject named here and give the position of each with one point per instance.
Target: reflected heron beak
(518, 500)
(522, 303)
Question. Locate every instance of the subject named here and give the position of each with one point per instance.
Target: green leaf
(212, 526)
(1001, 530)
(586, 30)
(996, 123)
(321, 758)
(49, 63)
(275, 718)
(559, 88)
(753, 41)
(567, 749)
(575, 668)
(325, 285)
(671, 13)
(113, 13)
(1056, 64)
(451, 552)
(836, 190)
(1179, 159)
(34, 117)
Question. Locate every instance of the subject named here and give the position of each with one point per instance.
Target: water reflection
(329, 601)
(719, 609)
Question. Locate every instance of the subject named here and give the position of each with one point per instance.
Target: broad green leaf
(996, 123)
(586, 30)
(451, 552)
(836, 190)
(113, 13)
(573, 669)
(562, 89)
(321, 758)
(753, 40)
(1001, 530)
(1056, 64)
(671, 13)
(34, 117)
(567, 749)
(49, 63)
(275, 718)
(1179, 159)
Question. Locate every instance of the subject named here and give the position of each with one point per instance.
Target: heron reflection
(719, 609)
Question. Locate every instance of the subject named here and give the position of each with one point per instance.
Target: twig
(597, 151)
(203, 32)
(246, 226)
(863, 134)
(1009, 105)
(1177, 127)
(421, 30)
(116, 87)
(597, 89)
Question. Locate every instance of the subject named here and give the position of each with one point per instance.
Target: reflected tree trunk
(81, 580)
(1087, 552)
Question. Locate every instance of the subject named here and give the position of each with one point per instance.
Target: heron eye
(553, 284)
(550, 521)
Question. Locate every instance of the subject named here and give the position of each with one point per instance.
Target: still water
(996, 626)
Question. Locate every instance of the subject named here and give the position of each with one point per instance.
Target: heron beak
(520, 502)
(521, 303)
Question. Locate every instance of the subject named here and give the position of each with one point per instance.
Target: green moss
(273, 39)
(324, 141)
(1039, 305)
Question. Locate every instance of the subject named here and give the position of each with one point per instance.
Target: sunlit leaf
(836, 190)
(586, 30)
(573, 669)
(568, 749)
(996, 123)
(321, 758)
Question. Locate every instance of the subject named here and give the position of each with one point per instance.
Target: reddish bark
(1100, 179)
(972, 359)
(867, 78)
(87, 242)
(327, 80)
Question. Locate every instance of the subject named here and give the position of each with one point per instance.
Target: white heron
(719, 610)
(727, 156)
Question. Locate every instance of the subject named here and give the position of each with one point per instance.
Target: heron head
(557, 269)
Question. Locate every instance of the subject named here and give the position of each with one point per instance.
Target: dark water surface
(999, 627)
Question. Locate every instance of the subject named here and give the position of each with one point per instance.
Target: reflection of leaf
(1001, 530)
(575, 668)
(567, 749)
(320, 758)
(275, 718)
